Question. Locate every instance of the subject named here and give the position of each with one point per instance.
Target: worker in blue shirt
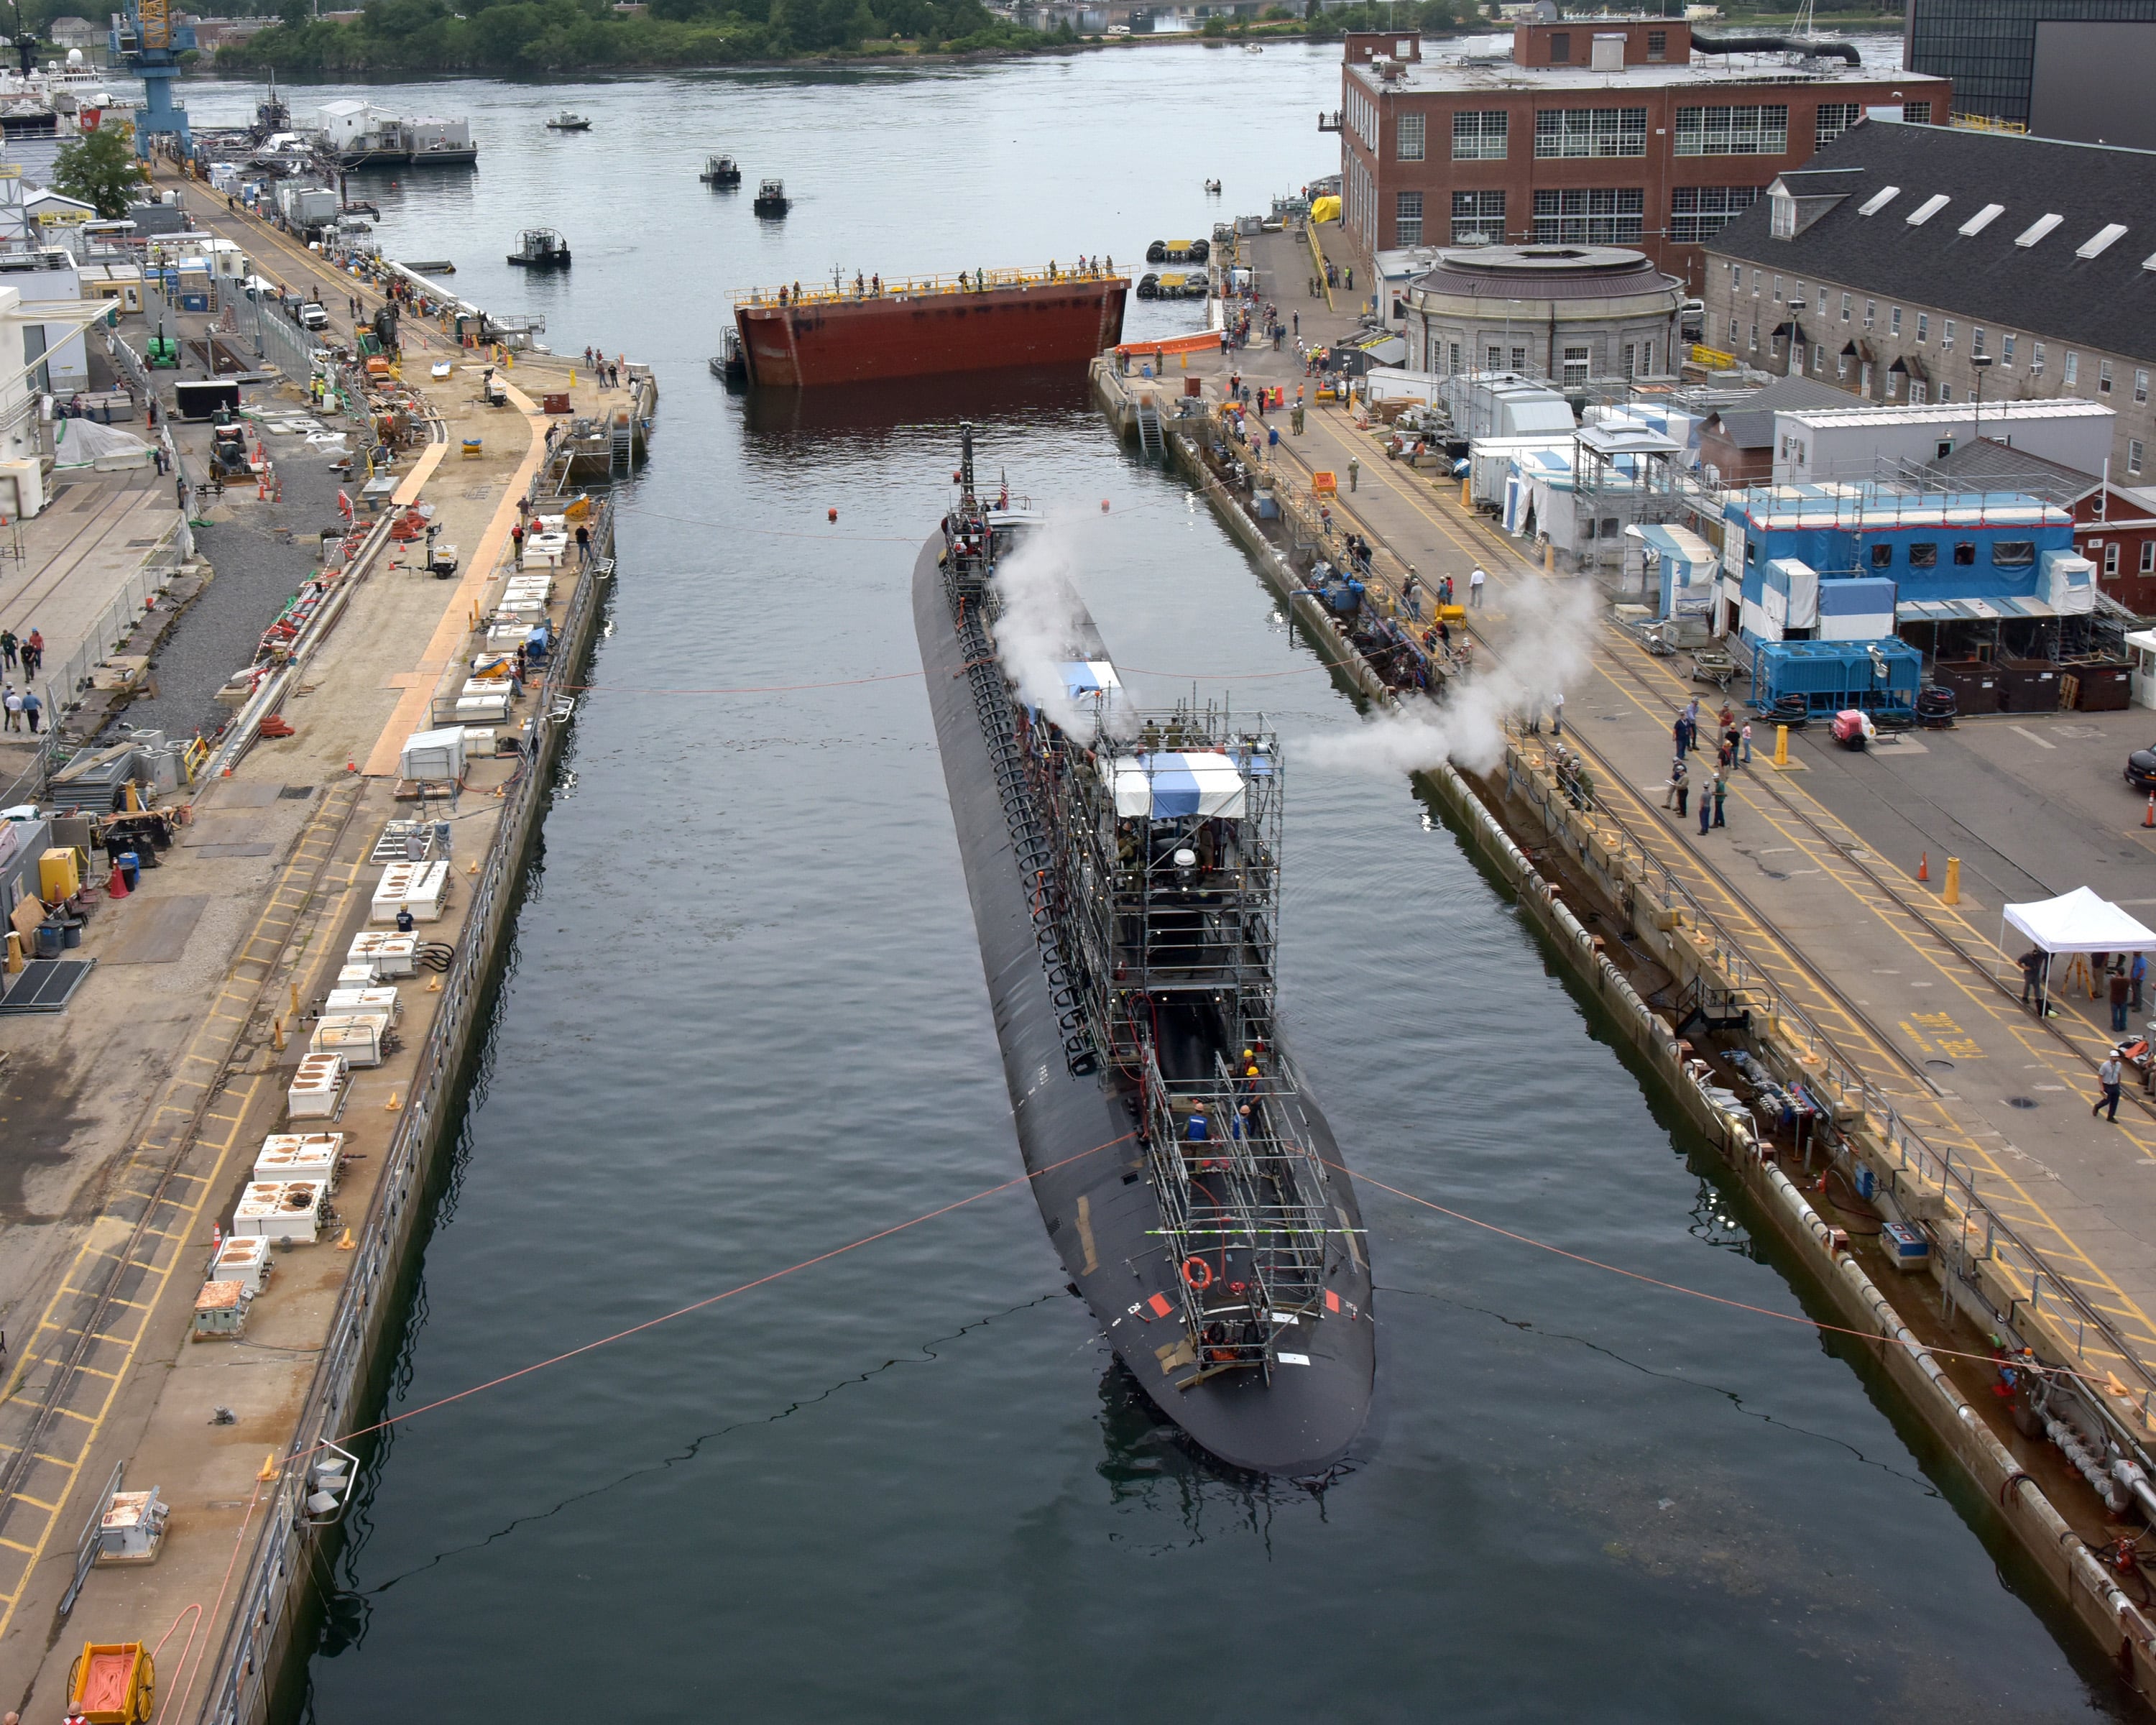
(1198, 1133)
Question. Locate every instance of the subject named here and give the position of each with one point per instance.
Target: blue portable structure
(1874, 555)
(1686, 568)
(1832, 676)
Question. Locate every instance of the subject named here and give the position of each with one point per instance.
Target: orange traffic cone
(115, 885)
(2149, 819)
(1924, 866)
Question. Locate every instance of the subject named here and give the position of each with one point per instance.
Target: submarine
(1123, 867)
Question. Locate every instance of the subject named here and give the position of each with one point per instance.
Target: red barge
(792, 337)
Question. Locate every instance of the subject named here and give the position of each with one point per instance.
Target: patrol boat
(1124, 871)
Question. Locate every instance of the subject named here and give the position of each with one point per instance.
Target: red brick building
(1632, 132)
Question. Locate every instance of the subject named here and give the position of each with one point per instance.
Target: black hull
(1077, 1138)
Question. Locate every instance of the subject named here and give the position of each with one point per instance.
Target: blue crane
(146, 40)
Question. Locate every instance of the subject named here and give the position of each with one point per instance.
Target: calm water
(745, 1022)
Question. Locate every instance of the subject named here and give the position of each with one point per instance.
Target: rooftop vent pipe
(1807, 45)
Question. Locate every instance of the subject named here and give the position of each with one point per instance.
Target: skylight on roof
(1878, 200)
(2037, 229)
(1929, 208)
(1982, 219)
(2098, 240)
(2149, 262)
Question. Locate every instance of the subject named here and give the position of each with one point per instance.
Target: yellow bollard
(1781, 745)
(277, 1034)
(134, 798)
(1549, 557)
(1465, 502)
(295, 1001)
(1952, 894)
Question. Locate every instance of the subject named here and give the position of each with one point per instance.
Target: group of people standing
(1733, 749)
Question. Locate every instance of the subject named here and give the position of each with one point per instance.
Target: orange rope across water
(653, 1323)
(1914, 1345)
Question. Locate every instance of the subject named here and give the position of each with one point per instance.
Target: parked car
(2141, 769)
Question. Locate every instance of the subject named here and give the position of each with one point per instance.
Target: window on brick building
(1591, 131)
(1894, 321)
(1699, 212)
(1946, 338)
(1576, 366)
(1658, 44)
(2006, 353)
(1560, 47)
(2103, 377)
(1589, 216)
(1479, 134)
(1762, 130)
(1407, 137)
(1834, 118)
(1924, 326)
(2141, 386)
(2036, 359)
(1478, 216)
(2133, 454)
(2073, 371)
(2148, 557)
(1407, 218)
(1917, 113)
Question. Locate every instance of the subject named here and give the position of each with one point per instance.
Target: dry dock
(134, 1120)
(1793, 945)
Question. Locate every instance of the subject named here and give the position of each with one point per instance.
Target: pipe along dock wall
(261, 1646)
(1969, 1275)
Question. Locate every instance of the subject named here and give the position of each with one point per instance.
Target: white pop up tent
(2076, 921)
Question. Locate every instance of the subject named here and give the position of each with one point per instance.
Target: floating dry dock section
(2054, 1428)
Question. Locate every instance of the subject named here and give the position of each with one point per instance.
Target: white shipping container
(244, 1258)
(358, 1036)
(317, 1087)
(300, 1156)
(389, 955)
(434, 755)
(287, 1210)
(367, 997)
(483, 709)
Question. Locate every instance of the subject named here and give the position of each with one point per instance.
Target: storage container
(300, 1156)
(482, 709)
(357, 1036)
(59, 877)
(317, 1087)
(371, 997)
(437, 755)
(1906, 1247)
(390, 955)
(220, 1313)
(245, 1259)
(289, 1211)
(2101, 686)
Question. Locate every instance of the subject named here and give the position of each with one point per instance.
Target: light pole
(1980, 363)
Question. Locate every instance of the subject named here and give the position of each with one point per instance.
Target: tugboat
(566, 121)
(771, 198)
(720, 171)
(541, 248)
(1124, 871)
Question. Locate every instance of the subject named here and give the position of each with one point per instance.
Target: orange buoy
(1104, 506)
(831, 515)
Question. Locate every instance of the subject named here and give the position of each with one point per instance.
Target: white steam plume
(1545, 648)
(1041, 627)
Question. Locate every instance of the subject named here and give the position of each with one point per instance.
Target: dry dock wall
(1969, 1273)
(260, 1646)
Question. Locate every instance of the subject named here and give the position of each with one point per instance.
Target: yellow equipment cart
(112, 1683)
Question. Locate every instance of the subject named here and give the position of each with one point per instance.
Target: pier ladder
(1152, 440)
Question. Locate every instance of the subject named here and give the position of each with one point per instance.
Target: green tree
(99, 168)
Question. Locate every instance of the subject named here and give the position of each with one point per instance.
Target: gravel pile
(256, 573)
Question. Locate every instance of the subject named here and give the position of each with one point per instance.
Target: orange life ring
(1197, 1273)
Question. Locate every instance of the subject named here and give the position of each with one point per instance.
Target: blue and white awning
(1168, 787)
(1089, 676)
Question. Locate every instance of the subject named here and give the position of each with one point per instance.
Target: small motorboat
(771, 198)
(566, 121)
(541, 248)
(720, 171)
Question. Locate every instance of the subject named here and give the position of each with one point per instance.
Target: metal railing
(1980, 1235)
(966, 281)
(281, 1559)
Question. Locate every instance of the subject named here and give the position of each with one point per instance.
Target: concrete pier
(134, 1119)
(1798, 926)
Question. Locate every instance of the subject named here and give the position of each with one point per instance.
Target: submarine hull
(1078, 1136)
